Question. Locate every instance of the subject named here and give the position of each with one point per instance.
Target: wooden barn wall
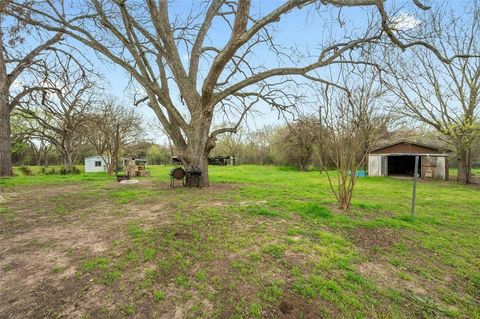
(437, 165)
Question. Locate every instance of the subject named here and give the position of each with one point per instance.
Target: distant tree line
(276, 146)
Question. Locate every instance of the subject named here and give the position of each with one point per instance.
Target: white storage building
(95, 164)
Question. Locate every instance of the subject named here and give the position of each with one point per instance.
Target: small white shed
(95, 164)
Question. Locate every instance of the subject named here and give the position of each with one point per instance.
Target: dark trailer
(221, 160)
(398, 159)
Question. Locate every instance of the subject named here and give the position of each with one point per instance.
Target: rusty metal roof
(438, 149)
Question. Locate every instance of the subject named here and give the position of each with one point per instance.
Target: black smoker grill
(194, 177)
(121, 177)
(177, 174)
(190, 178)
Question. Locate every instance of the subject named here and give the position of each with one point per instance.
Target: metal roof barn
(398, 159)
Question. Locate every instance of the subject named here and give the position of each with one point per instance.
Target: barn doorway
(402, 165)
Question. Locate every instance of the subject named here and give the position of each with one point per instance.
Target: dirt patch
(253, 202)
(369, 238)
(298, 259)
(387, 275)
(292, 307)
(157, 213)
(41, 249)
(55, 229)
(36, 279)
(38, 267)
(182, 235)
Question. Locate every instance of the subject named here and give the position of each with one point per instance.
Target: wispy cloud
(404, 22)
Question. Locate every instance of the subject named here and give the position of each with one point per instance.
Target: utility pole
(414, 191)
(117, 147)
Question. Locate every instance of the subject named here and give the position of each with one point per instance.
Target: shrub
(73, 170)
(26, 170)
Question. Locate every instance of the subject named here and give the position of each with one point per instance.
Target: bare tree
(445, 96)
(60, 110)
(32, 133)
(351, 123)
(297, 142)
(15, 62)
(149, 44)
(230, 144)
(158, 126)
(259, 143)
(40, 149)
(111, 128)
(158, 154)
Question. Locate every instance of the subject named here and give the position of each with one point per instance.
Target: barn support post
(414, 191)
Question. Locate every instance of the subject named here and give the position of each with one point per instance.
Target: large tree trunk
(39, 159)
(463, 174)
(5, 135)
(68, 161)
(67, 157)
(195, 154)
(69, 153)
(112, 166)
(198, 163)
(5, 129)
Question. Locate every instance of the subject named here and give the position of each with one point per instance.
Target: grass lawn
(475, 174)
(261, 242)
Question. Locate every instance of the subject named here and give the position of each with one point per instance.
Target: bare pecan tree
(444, 94)
(59, 110)
(15, 62)
(149, 43)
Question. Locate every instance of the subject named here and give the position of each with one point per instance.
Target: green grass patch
(58, 269)
(261, 211)
(111, 276)
(148, 254)
(99, 263)
(315, 211)
(158, 295)
(276, 251)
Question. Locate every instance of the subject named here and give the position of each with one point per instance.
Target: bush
(26, 170)
(73, 170)
(52, 171)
